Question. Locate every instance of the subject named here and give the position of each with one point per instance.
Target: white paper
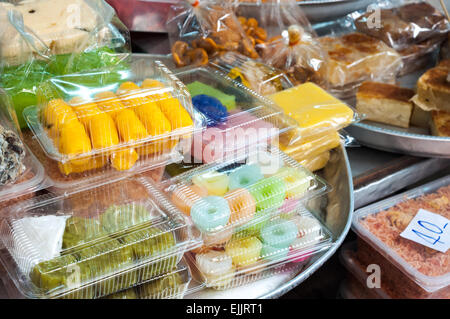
(430, 230)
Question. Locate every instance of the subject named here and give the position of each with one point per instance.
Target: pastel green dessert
(126, 294)
(121, 217)
(54, 273)
(164, 287)
(81, 230)
(268, 193)
(197, 88)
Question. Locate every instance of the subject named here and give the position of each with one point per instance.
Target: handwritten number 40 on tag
(429, 229)
(437, 230)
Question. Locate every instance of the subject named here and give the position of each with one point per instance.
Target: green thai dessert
(121, 217)
(164, 287)
(81, 230)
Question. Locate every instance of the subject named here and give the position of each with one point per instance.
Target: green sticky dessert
(81, 230)
(58, 272)
(197, 88)
(121, 217)
(161, 288)
(126, 294)
(105, 259)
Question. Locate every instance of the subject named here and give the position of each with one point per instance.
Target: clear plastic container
(242, 193)
(134, 129)
(257, 76)
(356, 280)
(238, 118)
(171, 285)
(94, 243)
(408, 269)
(282, 242)
(22, 174)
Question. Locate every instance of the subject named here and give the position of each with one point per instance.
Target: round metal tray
(386, 138)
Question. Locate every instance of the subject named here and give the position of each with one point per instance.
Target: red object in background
(143, 15)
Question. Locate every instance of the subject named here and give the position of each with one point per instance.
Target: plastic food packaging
(354, 58)
(419, 56)
(92, 131)
(356, 281)
(21, 173)
(84, 35)
(316, 112)
(237, 118)
(408, 269)
(257, 76)
(404, 23)
(283, 241)
(290, 44)
(241, 194)
(201, 30)
(445, 49)
(94, 243)
(171, 285)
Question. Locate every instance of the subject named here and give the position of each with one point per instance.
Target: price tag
(429, 229)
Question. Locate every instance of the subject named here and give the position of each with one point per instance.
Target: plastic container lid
(120, 128)
(237, 117)
(94, 243)
(171, 285)
(242, 192)
(287, 240)
(396, 212)
(28, 172)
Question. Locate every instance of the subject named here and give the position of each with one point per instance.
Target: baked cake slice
(433, 87)
(385, 103)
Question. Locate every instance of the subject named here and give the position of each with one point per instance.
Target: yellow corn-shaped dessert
(155, 84)
(56, 114)
(148, 113)
(129, 127)
(109, 102)
(85, 111)
(93, 163)
(103, 131)
(74, 141)
(124, 159)
(176, 113)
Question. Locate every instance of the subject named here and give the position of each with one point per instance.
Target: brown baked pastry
(433, 87)
(385, 103)
(405, 25)
(419, 56)
(440, 124)
(356, 57)
(445, 49)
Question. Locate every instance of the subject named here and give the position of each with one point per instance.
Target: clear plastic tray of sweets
(242, 192)
(94, 243)
(100, 125)
(236, 117)
(171, 285)
(286, 240)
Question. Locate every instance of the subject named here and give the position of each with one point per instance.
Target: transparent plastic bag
(403, 23)
(257, 76)
(316, 112)
(289, 42)
(85, 35)
(100, 125)
(200, 30)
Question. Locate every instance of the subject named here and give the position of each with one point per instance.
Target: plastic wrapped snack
(287, 240)
(354, 58)
(172, 285)
(96, 126)
(242, 193)
(316, 112)
(404, 23)
(21, 175)
(257, 76)
(200, 30)
(40, 39)
(409, 269)
(237, 118)
(94, 243)
(289, 44)
(445, 49)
